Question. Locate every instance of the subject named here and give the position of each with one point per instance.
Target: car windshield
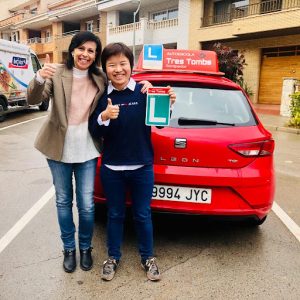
(200, 106)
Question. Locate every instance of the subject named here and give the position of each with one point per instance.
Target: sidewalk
(270, 117)
(279, 123)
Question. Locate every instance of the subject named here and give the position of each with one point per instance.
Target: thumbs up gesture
(111, 111)
(48, 69)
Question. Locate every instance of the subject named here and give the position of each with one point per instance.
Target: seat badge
(180, 143)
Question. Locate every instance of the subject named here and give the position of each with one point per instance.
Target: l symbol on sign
(150, 54)
(152, 117)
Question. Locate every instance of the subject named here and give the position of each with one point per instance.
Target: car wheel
(257, 221)
(44, 105)
(4, 108)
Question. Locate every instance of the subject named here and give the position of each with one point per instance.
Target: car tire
(257, 222)
(2, 118)
(44, 105)
(4, 108)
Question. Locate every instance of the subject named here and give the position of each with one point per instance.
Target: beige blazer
(51, 137)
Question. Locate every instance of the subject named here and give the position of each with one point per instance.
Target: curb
(283, 129)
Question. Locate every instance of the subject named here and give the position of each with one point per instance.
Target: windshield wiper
(193, 121)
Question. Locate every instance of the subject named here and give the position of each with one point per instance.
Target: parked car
(215, 158)
(18, 65)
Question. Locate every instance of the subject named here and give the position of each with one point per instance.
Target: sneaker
(109, 268)
(150, 266)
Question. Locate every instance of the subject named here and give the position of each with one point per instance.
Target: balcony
(265, 7)
(8, 22)
(147, 32)
(62, 41)
(259, 20)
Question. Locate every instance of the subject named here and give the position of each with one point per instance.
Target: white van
(18, 65)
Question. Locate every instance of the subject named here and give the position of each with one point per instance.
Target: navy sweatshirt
(127, 140)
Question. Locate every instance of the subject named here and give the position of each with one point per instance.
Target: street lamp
(134, 17)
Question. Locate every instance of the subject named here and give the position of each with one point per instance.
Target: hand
(111, 111)
(172, 95)
(48, 70)
(146, 85)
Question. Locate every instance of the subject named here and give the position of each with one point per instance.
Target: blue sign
(153, 57)
(153, 52)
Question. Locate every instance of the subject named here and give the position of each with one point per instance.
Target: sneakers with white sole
(150, 266)
(109, 268)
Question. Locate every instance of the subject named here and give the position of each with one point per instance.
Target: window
(241, 3)
(241, 8)
(126, 17)
(35, 63)
(165, 15)
(89, 26)
(268, 6)
(14, 36)
(33, 11)
(208, 103)
(48, 36)
(281, 51)
(222, 12)
(224, 106)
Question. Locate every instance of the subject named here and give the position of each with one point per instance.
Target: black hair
(77, 40)
(116, 49)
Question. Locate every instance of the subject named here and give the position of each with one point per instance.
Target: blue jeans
(140, 185)
(84, 174)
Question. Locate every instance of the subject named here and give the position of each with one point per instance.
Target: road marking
(286, 220)
(34, 210)
(10, 126)
(29, 215)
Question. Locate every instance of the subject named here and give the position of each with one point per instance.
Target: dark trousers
(140, 185)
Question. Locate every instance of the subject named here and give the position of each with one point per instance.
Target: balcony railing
(124, 28)
(38, 40)
(264, 7)
(163, 23)
(150, 25)
(49, 39)
(11, 20)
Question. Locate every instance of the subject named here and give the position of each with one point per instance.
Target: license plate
(182, 194)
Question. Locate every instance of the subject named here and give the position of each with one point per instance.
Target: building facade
(48, 25)
(267, 31)
(157, 22)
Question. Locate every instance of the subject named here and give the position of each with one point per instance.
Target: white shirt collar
(131, 85)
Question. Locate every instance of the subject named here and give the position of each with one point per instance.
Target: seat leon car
(215, 158)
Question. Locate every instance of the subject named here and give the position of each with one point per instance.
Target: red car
(215, 158)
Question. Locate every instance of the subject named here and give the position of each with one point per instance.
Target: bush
(230, 62)
(245, 87)
(295, 110)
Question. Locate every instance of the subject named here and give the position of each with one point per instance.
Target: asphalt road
(199, 259)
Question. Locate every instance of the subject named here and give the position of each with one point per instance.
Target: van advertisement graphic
(8, 86)
(18, 62)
